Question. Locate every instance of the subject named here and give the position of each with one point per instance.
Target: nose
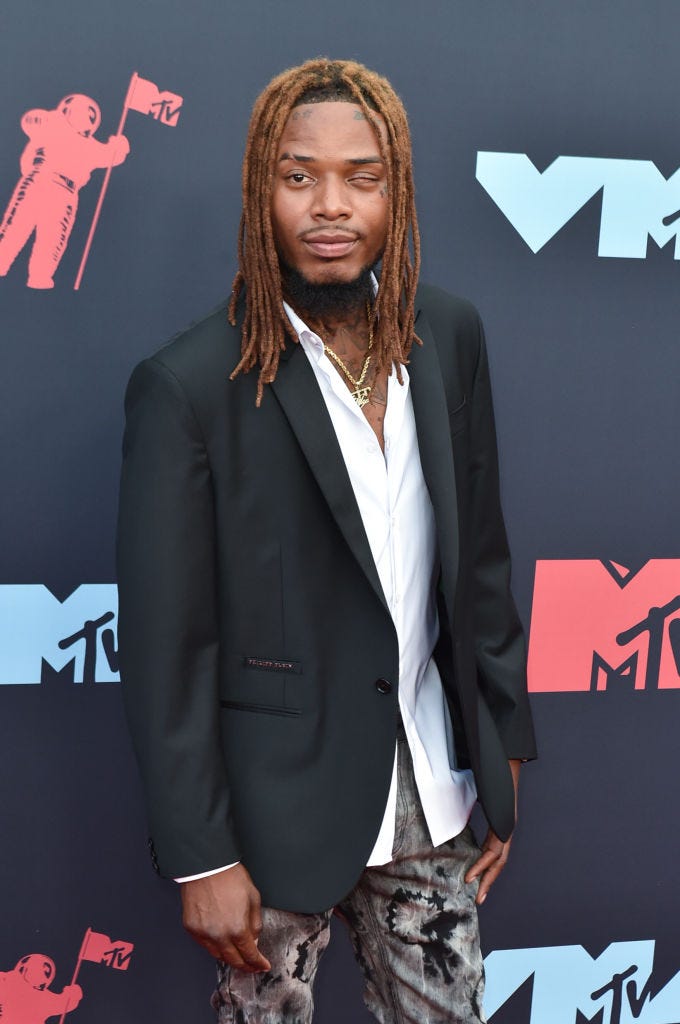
(332, 199)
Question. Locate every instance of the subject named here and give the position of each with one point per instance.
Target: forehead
(320, 129)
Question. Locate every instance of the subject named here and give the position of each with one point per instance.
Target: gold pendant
(360, 395)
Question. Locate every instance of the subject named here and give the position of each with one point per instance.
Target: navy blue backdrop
(585, 365)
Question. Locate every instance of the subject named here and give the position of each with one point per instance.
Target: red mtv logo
(25, 993)
(596, 624)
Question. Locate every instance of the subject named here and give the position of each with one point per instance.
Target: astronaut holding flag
(56, 163)
(26, 996)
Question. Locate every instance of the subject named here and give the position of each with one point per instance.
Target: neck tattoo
(361, 391)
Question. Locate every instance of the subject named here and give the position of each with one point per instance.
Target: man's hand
(222, 912)
(494, 852)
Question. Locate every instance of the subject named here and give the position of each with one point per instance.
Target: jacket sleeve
(168, 625)
(499, 640)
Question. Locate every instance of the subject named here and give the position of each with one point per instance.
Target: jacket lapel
(298, 394)
(436, 454)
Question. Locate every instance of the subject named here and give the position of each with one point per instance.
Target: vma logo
(26, 995)
(57, 161)
(597, 625)
(570, 986)
(638, 202)
(78, 634)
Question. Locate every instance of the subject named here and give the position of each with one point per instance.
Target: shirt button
(383, 686)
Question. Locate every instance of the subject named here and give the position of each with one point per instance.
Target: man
(320, 654)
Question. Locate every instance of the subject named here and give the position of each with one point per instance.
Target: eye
(364, 179)
(297, 178)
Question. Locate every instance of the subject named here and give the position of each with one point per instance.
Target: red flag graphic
(147, 98)
(99, 949)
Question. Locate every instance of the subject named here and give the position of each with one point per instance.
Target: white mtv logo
(637, 201)
(37, 626)
(614, 988)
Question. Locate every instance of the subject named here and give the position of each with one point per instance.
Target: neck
(349, 322)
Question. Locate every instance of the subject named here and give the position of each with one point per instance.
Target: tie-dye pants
(413, 924)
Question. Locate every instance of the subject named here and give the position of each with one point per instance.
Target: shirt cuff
(206, 874)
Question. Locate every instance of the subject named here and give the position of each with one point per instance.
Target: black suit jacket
(255, 641)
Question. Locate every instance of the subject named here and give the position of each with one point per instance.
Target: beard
(333, 299)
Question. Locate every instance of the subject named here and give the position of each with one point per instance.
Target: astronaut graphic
(57, 161)
(25, 996)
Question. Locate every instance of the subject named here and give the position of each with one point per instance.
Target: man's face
(330, 207)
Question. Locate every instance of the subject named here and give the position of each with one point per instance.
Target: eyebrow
(357, 161)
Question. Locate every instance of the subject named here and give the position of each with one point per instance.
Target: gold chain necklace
(360, 393)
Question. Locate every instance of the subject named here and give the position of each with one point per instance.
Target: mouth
(330, 245)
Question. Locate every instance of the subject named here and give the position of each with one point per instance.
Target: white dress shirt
(398, 518)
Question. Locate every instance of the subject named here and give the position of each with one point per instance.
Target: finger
(234, 957)
(231, 956)
(488, 879)
(247, 947)
(223, 950)
(486, 882)
(482, 863)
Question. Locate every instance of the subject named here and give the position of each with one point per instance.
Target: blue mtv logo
(638, 202)
(36, 627)
(613, 988)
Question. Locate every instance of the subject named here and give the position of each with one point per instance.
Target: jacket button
(383, 686)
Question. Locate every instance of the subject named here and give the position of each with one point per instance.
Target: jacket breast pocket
(259, 683)
(458, 418)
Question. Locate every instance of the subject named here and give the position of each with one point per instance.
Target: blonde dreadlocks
(266, 325)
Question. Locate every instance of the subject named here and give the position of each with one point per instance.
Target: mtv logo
(614, 988)
(595, 625)
(638, 202)
(37, 627)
